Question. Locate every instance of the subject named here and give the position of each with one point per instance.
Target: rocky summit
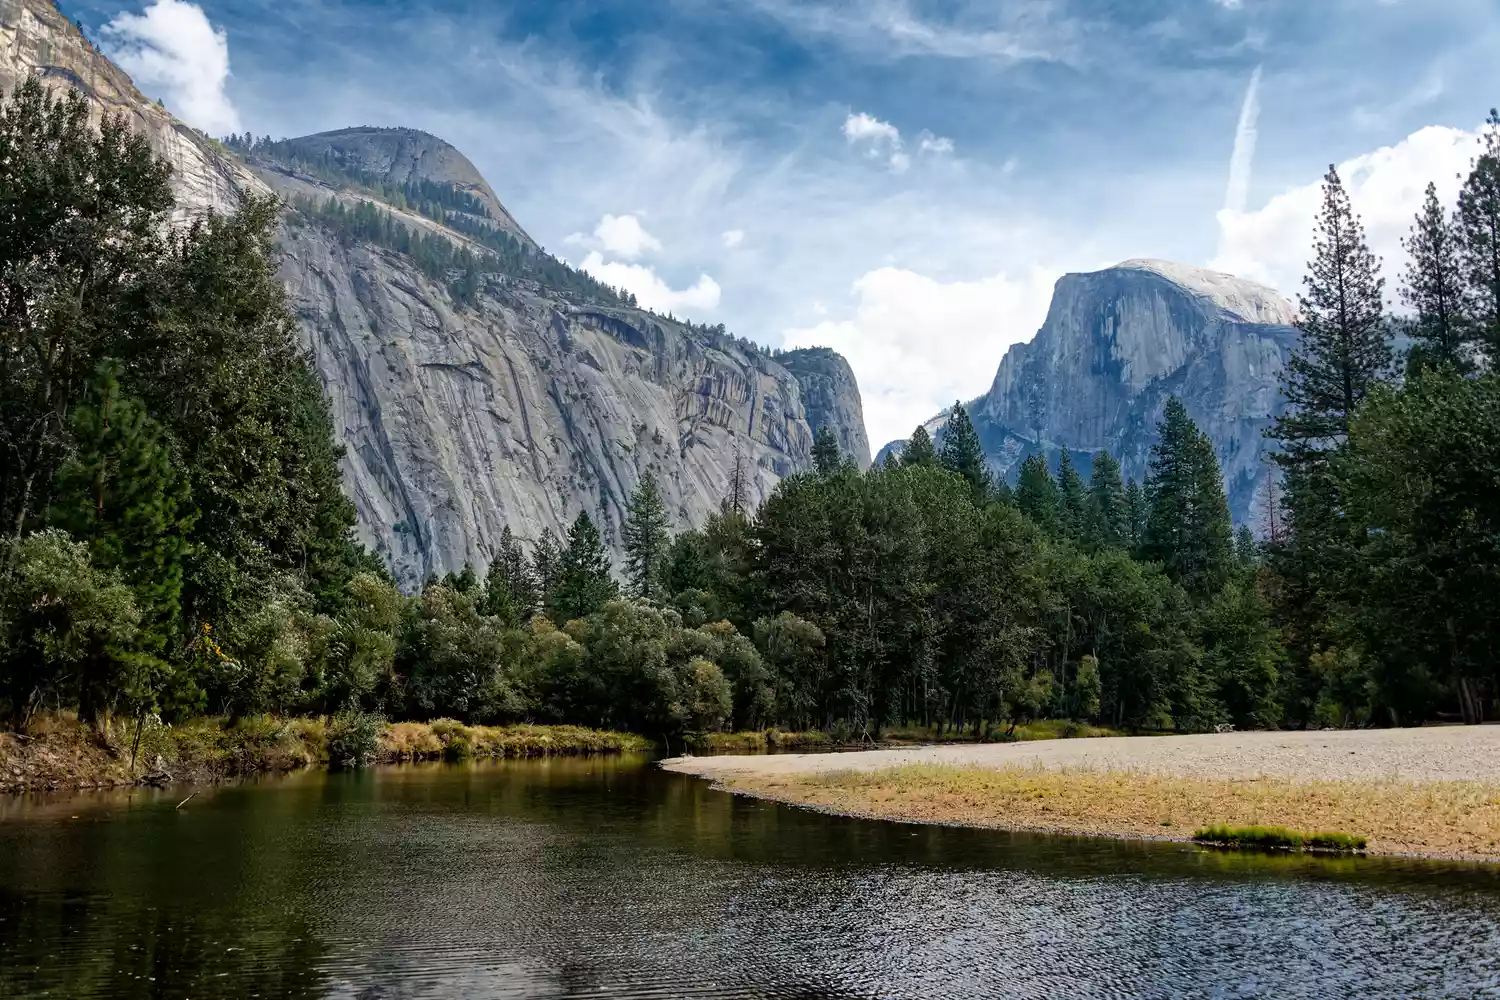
(1116, 345)
(475, 381)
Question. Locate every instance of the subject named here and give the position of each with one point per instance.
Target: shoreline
(1425, 793)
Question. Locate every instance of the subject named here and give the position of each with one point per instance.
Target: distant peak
(1252, 302)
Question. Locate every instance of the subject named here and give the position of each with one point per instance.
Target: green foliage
(1072, 498)
(1036, 495)
(646, 539)
(1187, 525)
(354, 738)
(1434, 290)
(1478, 230)
(919, 450)
(1107, 507)
(1278, 837)
(825, 452)
(961, 452)
(583, 582)
(510, 586)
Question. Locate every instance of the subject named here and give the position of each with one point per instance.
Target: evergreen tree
(646, 539)
(1036, 495)
(1187, 526)
(1478, 223)
(825, 452)
(121, 493)
(1135, 513)
(1245, 549)
(1108, 512)
(1434, 289)
(919, 450)
(509, 587)
(962, 453)
(1072, 497)
(737, 498)
(584, 584)
(546, 565)
(1345, 347)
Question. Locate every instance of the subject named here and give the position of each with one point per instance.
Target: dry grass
(453, 740)
(756, 740)
(1452, 819)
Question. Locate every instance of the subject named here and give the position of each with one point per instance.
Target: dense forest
(176, 541)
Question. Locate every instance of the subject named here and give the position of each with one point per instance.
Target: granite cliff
(1116, 344)
(475, 381)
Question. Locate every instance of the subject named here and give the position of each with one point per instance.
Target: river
(608, 878)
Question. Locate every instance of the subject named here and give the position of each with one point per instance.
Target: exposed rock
(1116, 344)
(521, 408)
(831, 397)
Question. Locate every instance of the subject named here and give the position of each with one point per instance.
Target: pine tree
(1036, 495)
(584, 583)
(1434, 289)
(825, 452)
(646, 539)
(962, 453)
(737, 497)
(509, 587)
(122, 494)
(1135, 513)
(1345, 346)
(1187, 525)
(1478, 223)
(919, 450)
(1108, 513)
(546, 566)
(1246, 552)
(1072, 497)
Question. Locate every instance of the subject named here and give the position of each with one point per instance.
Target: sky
(901, 180)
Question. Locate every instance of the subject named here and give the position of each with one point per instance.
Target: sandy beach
(1432, 792)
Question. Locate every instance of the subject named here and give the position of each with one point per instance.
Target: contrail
(1243, 158)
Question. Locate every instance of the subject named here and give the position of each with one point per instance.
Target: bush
(354, 738)
(1278, 838)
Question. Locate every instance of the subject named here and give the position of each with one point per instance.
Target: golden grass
(1439, 819)
(754, 740)
(451, 739)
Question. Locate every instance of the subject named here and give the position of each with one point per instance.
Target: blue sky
(903, 180)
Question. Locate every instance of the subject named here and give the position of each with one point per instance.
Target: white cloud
(1386, 187)
(883, 141)
(936, 144)
(172, 51)
(624, 236)
(732, 238)
(649, 288)
(862, 127)
(900, 163)
(916, 344)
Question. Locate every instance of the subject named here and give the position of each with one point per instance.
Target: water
(607, 878)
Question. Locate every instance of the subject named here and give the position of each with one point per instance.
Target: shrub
(354, 738)
(1278, 838)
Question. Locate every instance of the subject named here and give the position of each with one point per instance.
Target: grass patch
(1458, 819)
(1278, 838)
(451, 740)
(755, 741)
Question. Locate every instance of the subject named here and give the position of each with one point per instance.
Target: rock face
(528, 401)
(1116, 344)
(831, 397)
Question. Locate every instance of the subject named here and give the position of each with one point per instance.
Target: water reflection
(571, 878)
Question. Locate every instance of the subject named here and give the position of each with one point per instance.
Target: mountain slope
(1116, 344)
(475, 381)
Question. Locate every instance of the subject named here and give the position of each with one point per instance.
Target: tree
(961, 452)
(1037, 497)
(1135, 513)
(646, 539)
(825, 452)
(1245, 550)
(1108, 520)
(1187, 525)
(546, 565)
(510, 590)
(1345, 346)
(1072, 497)
(919, 450)
(737, 498)
(1434, 290)
(1478, 225)
(584, 583)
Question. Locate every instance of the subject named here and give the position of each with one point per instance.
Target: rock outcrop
(529, 395)
(1116, 344)
(831, 397)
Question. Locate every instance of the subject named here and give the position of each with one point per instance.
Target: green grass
(1279, 838)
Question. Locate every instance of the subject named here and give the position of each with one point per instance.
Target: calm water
(607, 878)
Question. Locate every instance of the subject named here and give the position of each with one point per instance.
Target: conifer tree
(584, 583)
(962, 453)
(1187, 524)
(825, 452)
(919, 450)
(1434, 289)
(546, 565)
(1072, 497)
(1478, 223)
(1108, 515)
(1245, 552)
(737, 497)
(1345, 347)
(646, 539)
(1036, 495)
(1135, 513)
(509, 587)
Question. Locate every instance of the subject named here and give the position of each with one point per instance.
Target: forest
(176, 541)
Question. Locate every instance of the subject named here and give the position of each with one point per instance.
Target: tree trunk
(1470, 704)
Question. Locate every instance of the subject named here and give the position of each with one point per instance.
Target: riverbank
(1431, 792)
(58, 753)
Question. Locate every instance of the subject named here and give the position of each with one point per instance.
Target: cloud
(867, 128)
(916, 343)
(1386, 187)
(624, 236)
(732, 238)
(650, 290)
(883, 140)
(171, 50)
(936, 144)
(1243, 157)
